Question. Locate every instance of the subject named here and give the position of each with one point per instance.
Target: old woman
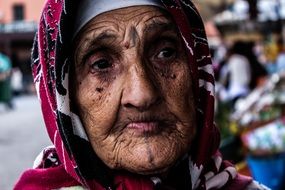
(126, 90)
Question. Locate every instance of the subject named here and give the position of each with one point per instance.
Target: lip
(143, 128)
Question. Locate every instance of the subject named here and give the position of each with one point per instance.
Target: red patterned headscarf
(72, 161)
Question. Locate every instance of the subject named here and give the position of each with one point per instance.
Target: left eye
(166, 53)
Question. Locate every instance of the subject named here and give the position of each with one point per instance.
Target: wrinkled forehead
(89, 9)
(142, 19)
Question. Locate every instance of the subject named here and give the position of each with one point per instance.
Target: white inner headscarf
(88, 9)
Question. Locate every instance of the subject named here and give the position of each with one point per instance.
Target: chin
(151, 171)
(151, 158)
(144, 152)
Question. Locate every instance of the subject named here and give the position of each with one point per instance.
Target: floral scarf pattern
(72, 161)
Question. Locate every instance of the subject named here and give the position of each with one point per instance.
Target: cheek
(178, 90)
(98, 105)
(180, 101)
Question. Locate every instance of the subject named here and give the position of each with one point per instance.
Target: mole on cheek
(78, 82)
(168, 75)
(99, 90)
(95, 100)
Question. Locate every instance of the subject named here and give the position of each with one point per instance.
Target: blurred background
(246, 39)
(22, 131)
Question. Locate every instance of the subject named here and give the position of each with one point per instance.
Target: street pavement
(22, 137)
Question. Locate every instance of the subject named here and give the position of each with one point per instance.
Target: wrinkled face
(133, 89)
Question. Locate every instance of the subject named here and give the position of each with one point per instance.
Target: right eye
(101, 64)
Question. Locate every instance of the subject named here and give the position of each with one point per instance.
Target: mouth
(147, 128)
(144, 127)
(144, 124)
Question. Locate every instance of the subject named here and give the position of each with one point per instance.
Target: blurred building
(18, 23)
(245, 19)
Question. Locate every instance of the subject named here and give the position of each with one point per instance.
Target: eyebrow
(105, 35)
(160, 26)
(99, 42)
(102, 38)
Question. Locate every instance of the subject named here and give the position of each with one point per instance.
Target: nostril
(128, 105)
(139, 107)
(158, 101)
(143, 106)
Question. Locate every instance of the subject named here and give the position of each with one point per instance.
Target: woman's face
(134, 90)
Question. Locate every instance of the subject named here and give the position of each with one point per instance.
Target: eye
(101, 64)
(166, 53)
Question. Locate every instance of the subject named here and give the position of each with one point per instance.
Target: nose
(140, 91)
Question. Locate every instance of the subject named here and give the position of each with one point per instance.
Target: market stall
(258, 121)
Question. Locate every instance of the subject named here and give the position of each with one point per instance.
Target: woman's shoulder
(47, 173)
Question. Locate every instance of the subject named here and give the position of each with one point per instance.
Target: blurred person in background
(241, 73)
(280, 60)
(22, 74)
(271, 51)
(258, 71)
(127, 94)
(27, 79)
(5, 80)
(236, 73)
(17, 76)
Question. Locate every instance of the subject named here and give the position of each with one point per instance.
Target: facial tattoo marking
(131, 38)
